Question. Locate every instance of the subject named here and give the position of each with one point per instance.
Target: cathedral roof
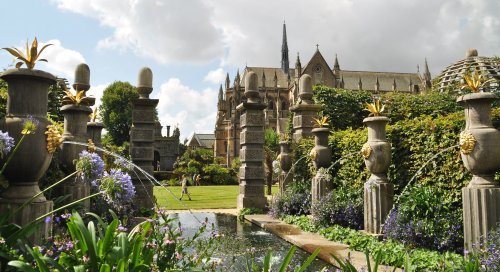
(202, 140)
(269, 74)
(386, 80)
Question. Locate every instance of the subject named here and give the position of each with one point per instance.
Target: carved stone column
(480, 150)
(75, 130)
(251, 176)
(304, 110)
(142, 138)
(378, 192)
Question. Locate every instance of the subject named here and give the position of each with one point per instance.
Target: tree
(116, 110)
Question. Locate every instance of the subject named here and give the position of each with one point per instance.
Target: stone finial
(252, 87)
(145, 82)
(306, 89)
(82, 77)
(471, 52)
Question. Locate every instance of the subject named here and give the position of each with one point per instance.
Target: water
(419, 171)
(239, 237)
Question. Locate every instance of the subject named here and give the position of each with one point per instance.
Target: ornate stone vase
(94, 131)
(285, 158)
(321, 154)
(479, 142)
(377, 150)
(27, 96)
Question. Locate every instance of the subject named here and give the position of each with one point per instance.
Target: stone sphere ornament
(145, 82)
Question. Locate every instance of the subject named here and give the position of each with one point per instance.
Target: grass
(203, 197)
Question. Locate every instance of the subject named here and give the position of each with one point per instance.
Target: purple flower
(117, 187)
(6, 143)
(91, 166)
(123, 164)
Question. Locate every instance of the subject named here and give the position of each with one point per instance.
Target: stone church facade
(279, 89)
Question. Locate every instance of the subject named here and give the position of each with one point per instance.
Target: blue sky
(191, 45)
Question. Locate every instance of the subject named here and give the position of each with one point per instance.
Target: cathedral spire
(336, 65)
(427, 76)
(284, 52)
(228, 82)
(221, 94)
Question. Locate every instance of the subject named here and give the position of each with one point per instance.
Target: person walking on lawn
(184, 184)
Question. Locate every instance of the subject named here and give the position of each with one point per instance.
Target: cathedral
(279, 89)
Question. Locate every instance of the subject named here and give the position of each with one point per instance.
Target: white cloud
(97, 91)
(191, 110)
(367, 35)
(215, 76)
(166, 31)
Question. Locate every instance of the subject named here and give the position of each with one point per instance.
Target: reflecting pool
(241, 239)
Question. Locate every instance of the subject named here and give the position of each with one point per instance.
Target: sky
(191, 45)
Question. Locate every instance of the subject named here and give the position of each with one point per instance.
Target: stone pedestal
(94, 130)
(378, 192)
(320, 186)
(251, 176)
(481, 213)
(29, 213)
(305, 110)
(378, 201)
(141, 149)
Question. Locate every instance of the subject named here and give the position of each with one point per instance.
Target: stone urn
(480, 151)
(94, 132)
(377, 150)
(285, 158)
(479, 142)
(285, 161)
(378, 192)
(321, 154)
(27, 97)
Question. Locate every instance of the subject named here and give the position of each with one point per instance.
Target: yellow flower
(313, 154)
(54, 138)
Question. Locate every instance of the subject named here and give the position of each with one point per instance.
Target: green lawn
(203, 197)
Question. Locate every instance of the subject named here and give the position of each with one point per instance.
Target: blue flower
(91, 167)
(6, 143)
(117, 188)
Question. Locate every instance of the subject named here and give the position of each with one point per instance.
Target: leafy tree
(56, 94)
(116, 110)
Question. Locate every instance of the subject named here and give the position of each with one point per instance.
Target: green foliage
(219, 175)
(116, 110)
(55, 95)
(391, 252)
(247, 211)
(302, 170)
(251, 264)
(3, 98)
(271, 141)
(344, 108)
(403, 106)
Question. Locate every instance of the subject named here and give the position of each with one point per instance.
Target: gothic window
(230, 111)
(283, 104)
(270, 105)
(318, 74)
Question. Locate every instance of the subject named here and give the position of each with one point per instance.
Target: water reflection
(241, 239)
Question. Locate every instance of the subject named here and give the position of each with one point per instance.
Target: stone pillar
(481, 155)
(285, 164)
(142, 138)
(378, 192)
(321, 156)
(251, 176)
(94, 130)
(76, 116)
(304, 110)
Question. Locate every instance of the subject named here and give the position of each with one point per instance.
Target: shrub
(424, 218)
(219, 175)
(342, 207)
(290, 204)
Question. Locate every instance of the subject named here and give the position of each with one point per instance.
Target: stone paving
(310, 241)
